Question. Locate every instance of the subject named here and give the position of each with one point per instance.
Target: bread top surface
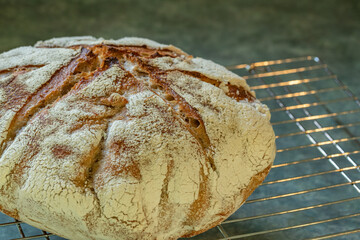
(134, 135)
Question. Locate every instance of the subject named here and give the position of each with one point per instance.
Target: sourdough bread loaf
(126, 139)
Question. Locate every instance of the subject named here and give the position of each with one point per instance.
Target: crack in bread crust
(186, 114)
(48, 93)
(18, 70)
(238, 93)
(255, 181)
(69, 79)
(191, 118)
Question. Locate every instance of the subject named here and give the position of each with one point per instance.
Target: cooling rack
(313, 189)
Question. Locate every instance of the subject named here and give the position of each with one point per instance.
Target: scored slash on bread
(101, 139)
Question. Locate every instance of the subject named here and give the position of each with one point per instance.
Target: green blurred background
(228, 32)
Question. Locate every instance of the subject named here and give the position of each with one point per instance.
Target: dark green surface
(228, 32)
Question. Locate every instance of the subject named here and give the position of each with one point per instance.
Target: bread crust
(132, 138)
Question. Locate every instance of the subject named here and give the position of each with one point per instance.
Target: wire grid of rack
(313, 189)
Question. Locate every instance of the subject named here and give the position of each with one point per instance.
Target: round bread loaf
(126, 139)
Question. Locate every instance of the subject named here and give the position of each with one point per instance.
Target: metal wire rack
(313, 189)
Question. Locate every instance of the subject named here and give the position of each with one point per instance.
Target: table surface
(227, 32)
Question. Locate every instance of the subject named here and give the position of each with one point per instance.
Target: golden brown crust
(13, 214)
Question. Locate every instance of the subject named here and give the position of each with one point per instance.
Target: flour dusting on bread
(129, 138)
